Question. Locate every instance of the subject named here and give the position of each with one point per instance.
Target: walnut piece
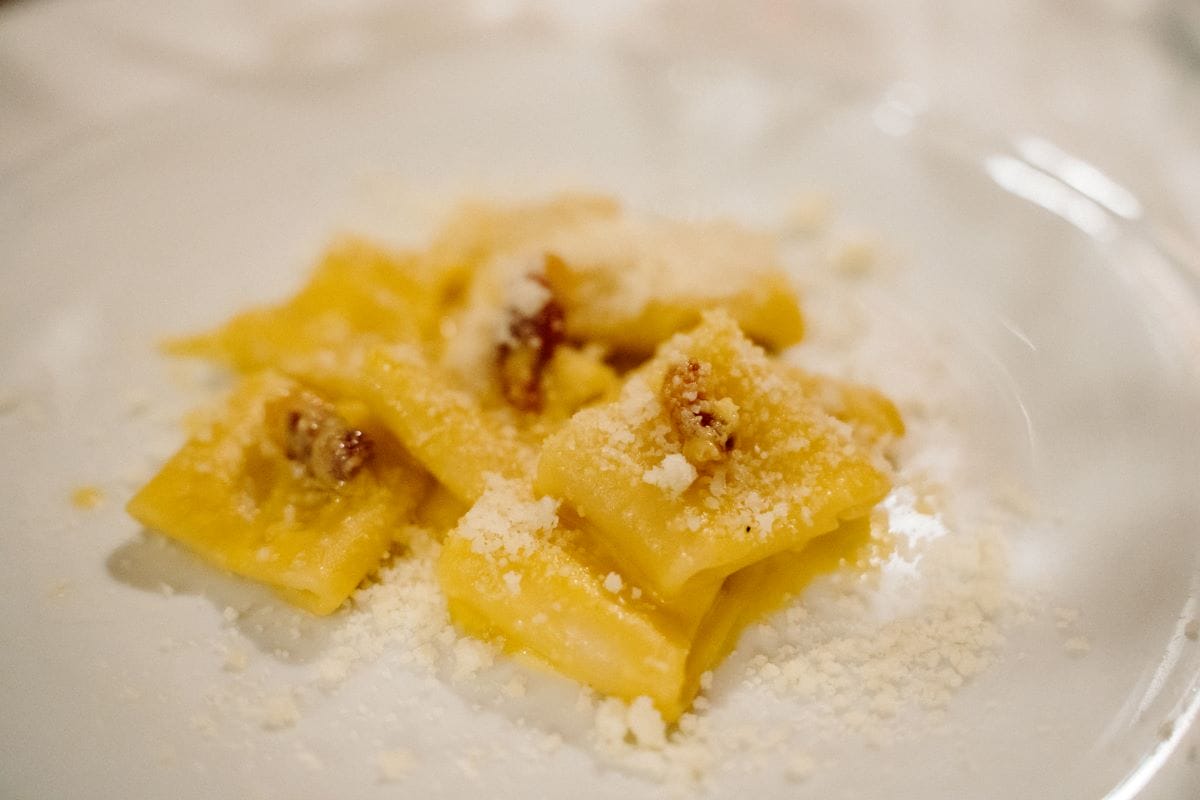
(535, 327)
(706, 426)
(312, 433)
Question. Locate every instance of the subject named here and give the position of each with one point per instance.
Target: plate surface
(188, 166)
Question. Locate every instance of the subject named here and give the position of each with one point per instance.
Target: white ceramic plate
(251, 140)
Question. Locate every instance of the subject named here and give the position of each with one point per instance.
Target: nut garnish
(315, 435)
(535, 327)
(706, 426)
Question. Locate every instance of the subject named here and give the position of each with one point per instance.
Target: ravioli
(591, 411)
(234, 496)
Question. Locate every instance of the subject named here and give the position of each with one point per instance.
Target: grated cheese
(507, 518)
(674, 474)
(394, 765)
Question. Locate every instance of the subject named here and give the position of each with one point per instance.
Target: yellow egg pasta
(589, 410)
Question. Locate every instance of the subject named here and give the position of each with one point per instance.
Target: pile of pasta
(586, 408)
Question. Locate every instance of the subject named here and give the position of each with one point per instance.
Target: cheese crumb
(674, 474)
(512, 579)
(809, 215)
(279, 712)
(235, 660)
(613, 582)
(470, 657)
(86, 498)
(646, 724)
(856, 256)
(610, 724)
(639, 723)
(393, 765)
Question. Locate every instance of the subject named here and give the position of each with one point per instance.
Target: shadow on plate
(155, 564)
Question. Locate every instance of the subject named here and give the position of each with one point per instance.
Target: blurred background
(1116, 82)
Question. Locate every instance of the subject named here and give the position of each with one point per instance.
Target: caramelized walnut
(535, 326)
(706, 426)
(315, 435)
